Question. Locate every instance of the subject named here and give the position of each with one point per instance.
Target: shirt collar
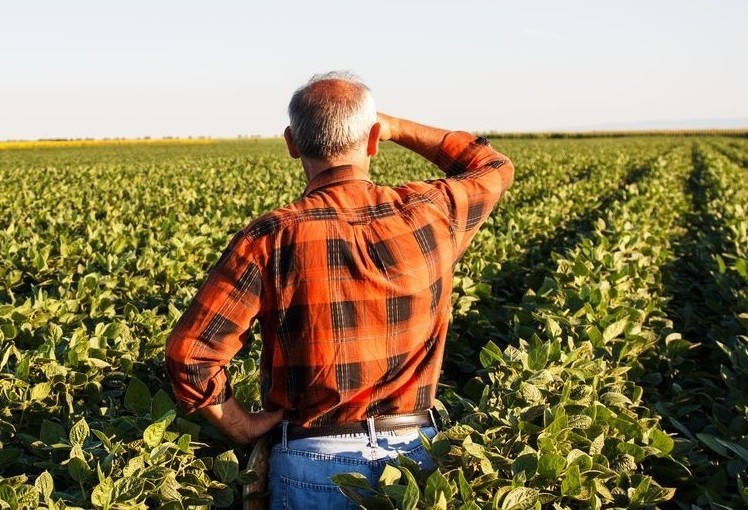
(336, 175)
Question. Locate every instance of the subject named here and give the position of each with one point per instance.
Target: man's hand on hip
(239, 425)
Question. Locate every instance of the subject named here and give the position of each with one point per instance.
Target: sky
(93, 69)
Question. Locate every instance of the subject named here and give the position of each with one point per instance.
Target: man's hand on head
(237, 424)
(388, 126)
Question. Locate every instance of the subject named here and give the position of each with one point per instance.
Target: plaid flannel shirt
(351, 286)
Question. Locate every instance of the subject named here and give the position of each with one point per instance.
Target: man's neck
(313, 167)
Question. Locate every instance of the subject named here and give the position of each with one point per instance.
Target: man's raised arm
(477, 174)
(423, 140)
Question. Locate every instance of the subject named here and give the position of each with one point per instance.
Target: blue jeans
(300, 470)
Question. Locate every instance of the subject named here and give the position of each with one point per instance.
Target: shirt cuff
(213, 398)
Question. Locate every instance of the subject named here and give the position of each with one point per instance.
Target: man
(351, 286)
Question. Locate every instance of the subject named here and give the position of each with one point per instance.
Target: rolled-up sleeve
(477, 177)
(213, 328)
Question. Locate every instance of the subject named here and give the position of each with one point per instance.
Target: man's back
(351, 286)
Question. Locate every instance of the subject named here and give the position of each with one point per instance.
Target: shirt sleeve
(477, 176)
(213, 328)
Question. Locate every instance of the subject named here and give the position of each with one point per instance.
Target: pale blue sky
(224, 68)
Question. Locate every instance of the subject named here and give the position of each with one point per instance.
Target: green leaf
(128, 488)
(188, 427)
(466, 492)
(78, 469)
(571, 485)
(161, 404)
(222, 498)
(661, 441)
(527, 464)
(550, 465)
(226, 466)
(638, 496)
(520, 498)
(184, 443)
(171, 505)
(412, 494)
(154, 433)
(28, 497)
(636, 451)
(436, 484)
(537, 358)
(735, 448)
(101, 496)
(597, 444)
(377, 502)
(559, 424)
(45, 484)
(79, 432)
(530, 393)
(396, 492)
(440, 447)
(712, 443)
(137, 397)
(390, 475)
(105, 441)
(355, 480)
(8, 331)
(615, 330)
(613, 398)
(8, 495)
(490, 355)
(474, 450)
(552, 327)
(134, 465)
(594, 336)
(112, 330)
(246, 477)
(40, 391)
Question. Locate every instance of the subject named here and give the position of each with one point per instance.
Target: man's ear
(292, 150)
(372, 145)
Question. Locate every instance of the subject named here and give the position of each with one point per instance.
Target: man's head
(331, 116)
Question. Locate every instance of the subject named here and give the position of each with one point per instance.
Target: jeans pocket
(305, 495)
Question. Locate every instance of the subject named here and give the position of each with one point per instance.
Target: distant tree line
(739, 133)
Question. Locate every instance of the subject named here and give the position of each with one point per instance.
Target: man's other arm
(208, 335)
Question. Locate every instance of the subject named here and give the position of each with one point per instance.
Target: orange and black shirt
(351, 286)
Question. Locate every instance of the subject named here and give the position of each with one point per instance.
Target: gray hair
(331, 115)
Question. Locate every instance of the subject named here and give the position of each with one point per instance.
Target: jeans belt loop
(284, 436)
(433, 418)
(372, 431)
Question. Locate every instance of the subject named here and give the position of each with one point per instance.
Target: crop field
(598, 354)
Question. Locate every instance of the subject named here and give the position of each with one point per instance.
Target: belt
(385, 423)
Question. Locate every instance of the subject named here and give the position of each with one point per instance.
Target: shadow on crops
(701, 306)
(517, 276)
(734, 154)
(699, 302)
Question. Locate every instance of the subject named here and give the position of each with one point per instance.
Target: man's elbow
(507, 173)
(505, 168)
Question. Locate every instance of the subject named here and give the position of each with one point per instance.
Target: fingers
(385, 130)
